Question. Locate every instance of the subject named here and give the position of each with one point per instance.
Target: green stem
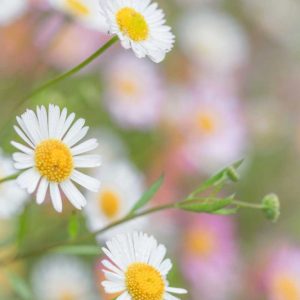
(76, 69)
(11, 177)
(248, 205)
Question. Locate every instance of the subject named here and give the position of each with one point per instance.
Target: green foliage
(20, 286)
(84, 250)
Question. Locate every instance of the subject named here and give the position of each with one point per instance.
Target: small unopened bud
(271, 207)
(232, 174)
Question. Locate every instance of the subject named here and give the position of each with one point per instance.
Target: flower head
(137, 268)
(85, 11)
(62, 278)
(53, 154)
(140, 25)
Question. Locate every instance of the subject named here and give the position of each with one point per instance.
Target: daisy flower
(121, 186)
(62, 278)
(52, 155)
(85, 11)
(11, 10)
(140, 25)
(12, 198)
(137, 268)
(135, 98)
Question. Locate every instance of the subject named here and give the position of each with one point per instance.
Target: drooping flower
(140, 25)
(210, 257)
(134, 93)
(12, 198)
(121, 186)
(85, 11)
(11, 10)
(53, 154)
(62, 278)
(137, 268)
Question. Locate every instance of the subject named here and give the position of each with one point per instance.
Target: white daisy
(11, 10)
(86, 11)
(12, 198)
(121, 186)
(140, 25)
(62, 278)
(53, 154)
(137, 268)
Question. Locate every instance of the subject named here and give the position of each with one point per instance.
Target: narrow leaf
(227, 211)
(73, 226)
(148, 195)
(207, 205)
(20, 287)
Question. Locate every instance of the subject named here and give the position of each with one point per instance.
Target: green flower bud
(232, 174)
(271, 207)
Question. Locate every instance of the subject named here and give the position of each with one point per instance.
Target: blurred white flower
(62, 278)
(11, 10)
(121, 186)
(86, 11)
(12, 198)
(137, 268)
(213, 39)
(53, 154)
(134, 93)
(140, 25)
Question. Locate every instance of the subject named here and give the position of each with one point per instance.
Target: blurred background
(228, 90)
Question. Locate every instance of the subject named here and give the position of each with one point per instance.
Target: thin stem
(11, 177)
(248, 205)
(87, 236)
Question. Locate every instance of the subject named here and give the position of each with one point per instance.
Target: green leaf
(148, 195)
(73, 226)
(20, 287)
(23, 225)
(227, 211)
(220, 177)
(78, 250)
(208, 205)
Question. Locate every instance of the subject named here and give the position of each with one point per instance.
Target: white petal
(79, 136)
(87, 161)
(23, 136)
(73, 131)
(86, 181)
(176, 290)
(73, 194)
(55, 196)
(86, 146)
(42, 190)
(28, 179)
(22, 148)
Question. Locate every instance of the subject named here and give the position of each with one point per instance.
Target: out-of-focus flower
(281, 279)
(134, 92)
(64, 50)
(214, 40)
(213, 130)
(12, 198)
(137, 268)
(86, 11)
(140, 25)
(121, 186)
(210, 257)
(62, 278)
(53, 154)
(11, 10)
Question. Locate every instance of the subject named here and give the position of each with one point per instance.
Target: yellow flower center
(132, 24)
(286, 288)
(201, 242)
(128, 87)
(144, 282)
(77, 7)
(109, 203)
(54, 160)
(206, 123)
(67, 296)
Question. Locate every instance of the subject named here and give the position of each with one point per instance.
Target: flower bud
(271, 207)
(232, 174)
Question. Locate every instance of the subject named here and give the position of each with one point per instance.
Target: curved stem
(248, 205)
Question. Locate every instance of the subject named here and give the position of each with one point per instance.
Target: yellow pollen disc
(67, 296)
(77, 7)
(144, 282)
(201, 242)
(109, 203)
(206, 123)
(53, 160)
(128, 87)
(132, 24)
(286, 288)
